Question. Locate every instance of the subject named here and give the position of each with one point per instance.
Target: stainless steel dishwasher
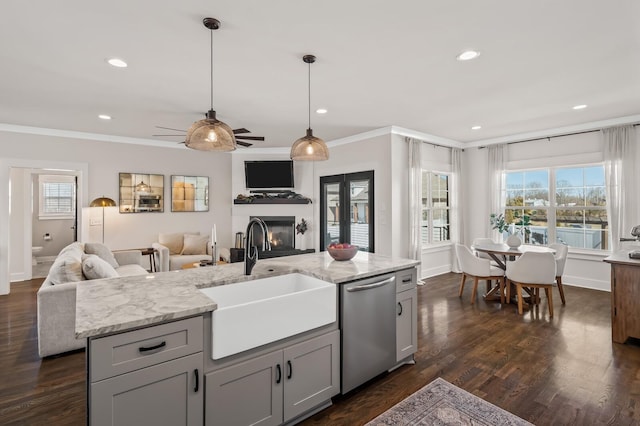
(368, 329)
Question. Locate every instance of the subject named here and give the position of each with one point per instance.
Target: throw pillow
(65, 269)
(172, 241)
(195, 244)
(102, 252)
(95, 268)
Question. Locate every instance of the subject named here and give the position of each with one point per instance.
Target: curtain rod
(433, 144)
(555, 136)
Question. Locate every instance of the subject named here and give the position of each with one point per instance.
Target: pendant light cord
(309, 95)
(211, 101)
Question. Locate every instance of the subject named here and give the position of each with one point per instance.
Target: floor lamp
(103, 202)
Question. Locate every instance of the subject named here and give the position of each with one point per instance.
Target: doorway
(16, 240)
(53, 209)
(347, 210)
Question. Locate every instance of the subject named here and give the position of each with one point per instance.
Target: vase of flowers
(520, 227)
(301, 228)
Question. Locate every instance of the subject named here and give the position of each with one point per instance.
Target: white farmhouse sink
(253, 313)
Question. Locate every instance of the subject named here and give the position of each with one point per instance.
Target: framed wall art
(189, 193)
(141, 193)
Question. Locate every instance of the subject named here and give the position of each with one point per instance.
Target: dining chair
(482, 255)
(533, 271)
(478, 269)
(561, 258)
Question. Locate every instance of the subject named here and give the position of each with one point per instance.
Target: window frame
(429, 209)
(43, 180)
(553, 207)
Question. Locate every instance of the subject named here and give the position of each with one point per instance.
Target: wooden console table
(625, 296)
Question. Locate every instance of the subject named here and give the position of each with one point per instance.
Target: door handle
(197, 385)
(278, 374)
(290, 373)
(373, 285)
(400, 306)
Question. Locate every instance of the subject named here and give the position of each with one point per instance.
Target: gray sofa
(56, 297)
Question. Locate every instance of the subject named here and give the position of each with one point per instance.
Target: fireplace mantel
(273, 201)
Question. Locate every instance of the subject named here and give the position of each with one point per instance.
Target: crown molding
(550, 133)
(72, 134)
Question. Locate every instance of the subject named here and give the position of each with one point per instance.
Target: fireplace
(282, 232)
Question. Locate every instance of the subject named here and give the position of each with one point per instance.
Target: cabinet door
(168, 393)
(311, 374)
(249, 393)
(406, 323)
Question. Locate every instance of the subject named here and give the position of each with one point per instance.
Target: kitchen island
(149, 339)
(625, 296)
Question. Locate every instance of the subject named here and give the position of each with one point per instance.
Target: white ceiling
(380, 63)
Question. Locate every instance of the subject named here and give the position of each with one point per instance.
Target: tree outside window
(565, 205)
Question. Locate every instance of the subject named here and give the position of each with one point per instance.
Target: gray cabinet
(406, 314)
(406, 324)
(276, 387)
(147, 376)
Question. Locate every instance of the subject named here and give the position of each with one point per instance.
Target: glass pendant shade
(103, 202)
(309, 148)
(210, 134)
(142, 187)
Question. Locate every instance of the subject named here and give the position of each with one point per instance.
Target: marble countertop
(622, 257)
(117, 304)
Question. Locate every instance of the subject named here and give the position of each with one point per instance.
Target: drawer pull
(406, 280)
(152, 348)
(197, 385)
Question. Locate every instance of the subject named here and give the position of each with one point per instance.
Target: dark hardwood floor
(563, 370)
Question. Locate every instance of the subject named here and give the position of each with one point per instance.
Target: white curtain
(415, 197)
(497, 164)
(457, 197)
(619, 171)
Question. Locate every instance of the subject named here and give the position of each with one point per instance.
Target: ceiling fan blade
(169, 128)
(168, 135)
(247, 144)
(251, 138)
(241, 130)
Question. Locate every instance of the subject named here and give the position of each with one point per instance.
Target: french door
(346, 210)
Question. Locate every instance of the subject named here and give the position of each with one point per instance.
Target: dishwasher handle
(372, 285)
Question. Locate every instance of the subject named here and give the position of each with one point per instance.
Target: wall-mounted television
(269, 174)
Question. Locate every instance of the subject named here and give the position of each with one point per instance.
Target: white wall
(584, 269)
(104, 161)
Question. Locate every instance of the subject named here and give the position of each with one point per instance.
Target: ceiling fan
(240, 140)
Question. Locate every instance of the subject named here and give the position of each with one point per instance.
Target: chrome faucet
(251, 251)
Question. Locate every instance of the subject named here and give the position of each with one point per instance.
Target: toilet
(34, 251)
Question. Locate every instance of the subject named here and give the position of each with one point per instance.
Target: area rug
(441, 403)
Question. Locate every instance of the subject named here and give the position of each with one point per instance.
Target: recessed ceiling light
(476, 128)
(116, 62)
(468, 55)
(580, 107)
(104, 117)
(321, 111)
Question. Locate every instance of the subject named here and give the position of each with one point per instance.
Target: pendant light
(309, 147)
(210, 134)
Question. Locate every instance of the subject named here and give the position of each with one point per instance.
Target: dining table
(502, 253)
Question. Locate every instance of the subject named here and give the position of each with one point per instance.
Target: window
(57, 197)
(435, 207)
(572, 198)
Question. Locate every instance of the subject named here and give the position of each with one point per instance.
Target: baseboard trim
(438, 270)
(575, 281)
(17, 276)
